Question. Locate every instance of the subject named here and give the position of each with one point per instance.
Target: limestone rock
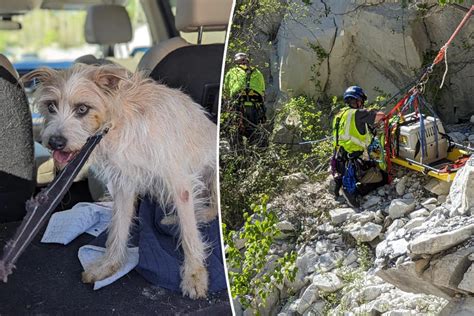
(448, 271)
(400, 312)
(286, 229)
(364, 217)
(457, 137)
(434, 243)
(328, 282)
(467, 283)
(400, 187)
(399, 207)
(289, 308)
(422, 212)
(371, 201)
(306, 262)
(416, 222)
(309, 296)
(438, 187)
(406, 278)
(316, 309)
(459, 307)
(429, 201)
(366, 233)
(340, 215)
(461, 194)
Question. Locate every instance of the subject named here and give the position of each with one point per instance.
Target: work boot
(351, 199)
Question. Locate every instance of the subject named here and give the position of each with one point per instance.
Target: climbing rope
(413, 98)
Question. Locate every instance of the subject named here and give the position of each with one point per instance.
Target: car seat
(107, 25)
(194, 68)
(17, 180)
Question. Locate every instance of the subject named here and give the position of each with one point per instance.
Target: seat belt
(42, 205)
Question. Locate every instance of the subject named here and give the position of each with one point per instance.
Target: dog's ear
(41, 74)
(108, 77)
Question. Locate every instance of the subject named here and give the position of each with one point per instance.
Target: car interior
(179, 43)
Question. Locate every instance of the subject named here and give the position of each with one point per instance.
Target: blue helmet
(354, 92)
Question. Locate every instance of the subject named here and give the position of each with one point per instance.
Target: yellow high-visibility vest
(348, 137)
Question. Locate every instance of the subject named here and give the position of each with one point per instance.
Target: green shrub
(249, 171)
(249, 280)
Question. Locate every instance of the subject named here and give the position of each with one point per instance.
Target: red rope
(439, 57)
(388, 151)
(442, 51)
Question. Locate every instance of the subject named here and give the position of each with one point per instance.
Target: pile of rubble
(409, 249)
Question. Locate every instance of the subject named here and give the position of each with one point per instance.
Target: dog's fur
(160, 143)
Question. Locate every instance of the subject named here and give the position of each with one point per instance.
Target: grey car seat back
(17, 180)
(194, 68)
(106, 25)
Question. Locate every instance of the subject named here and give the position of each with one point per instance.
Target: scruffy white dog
(160, 143)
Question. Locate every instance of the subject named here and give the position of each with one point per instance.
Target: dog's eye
(82, 109)
(52, 107)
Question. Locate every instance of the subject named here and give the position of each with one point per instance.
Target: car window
(58, 36)
(48, 35)
(141, 32)
(209, 37)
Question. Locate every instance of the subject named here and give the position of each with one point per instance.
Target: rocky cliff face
(329, 45)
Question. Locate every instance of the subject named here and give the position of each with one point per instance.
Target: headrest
(107, 25)
(92, 60)
(213, 15)
(158, 52)
(5, 63)
(15, 6)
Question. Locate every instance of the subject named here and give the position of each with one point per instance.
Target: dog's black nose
(57, 142)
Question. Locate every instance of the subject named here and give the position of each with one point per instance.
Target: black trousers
(341, 160)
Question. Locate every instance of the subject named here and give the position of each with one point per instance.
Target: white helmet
(239, 57)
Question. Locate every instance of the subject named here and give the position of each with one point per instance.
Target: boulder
(400, 187)
(448, 271)
(459, 307)
(467, 282)
(433, 243)
(429, 201)
(327, 282)
(327, 261)
(406, 278)
(422, 212)
(309, 296)
(372, 200)
(438, 187)
(366, 233)
(400, 207)
(413, 223)
(461, 195)
(306, 262)
(457, 137)
(340, 215)
(286, 228)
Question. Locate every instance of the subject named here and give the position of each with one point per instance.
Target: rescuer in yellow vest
(352, 168)
(245, 86)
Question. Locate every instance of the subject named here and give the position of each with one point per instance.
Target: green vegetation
(43, 28)
(248, 171)
(250, 281)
